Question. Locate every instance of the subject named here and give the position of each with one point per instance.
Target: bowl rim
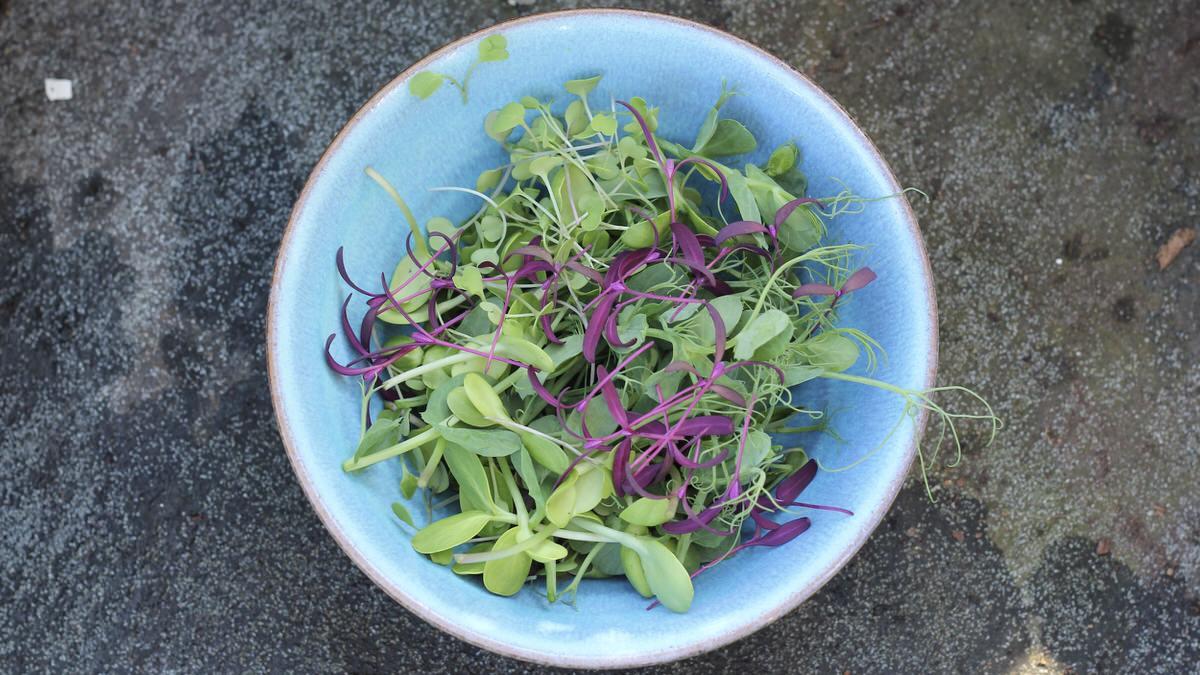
(428, 614)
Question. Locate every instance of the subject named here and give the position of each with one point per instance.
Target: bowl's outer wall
(679, 68)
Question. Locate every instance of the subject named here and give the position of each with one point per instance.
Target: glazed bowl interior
(419, 144)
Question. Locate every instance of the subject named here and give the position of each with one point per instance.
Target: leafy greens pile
(592, 365)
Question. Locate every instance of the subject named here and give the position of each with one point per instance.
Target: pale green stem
(551, 580)
(418, 238)
(519, 547)
(518, 503)
(616, 536)
(396, 450)
(434, 458)
(427, 368)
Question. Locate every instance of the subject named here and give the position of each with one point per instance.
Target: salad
(592, 373)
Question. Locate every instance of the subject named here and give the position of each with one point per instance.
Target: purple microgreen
(646, 133)
(786, 210)
(341, 267)
(858, 280)
(738, 229)
(689, 245)
(596, 324)
(711, 167)
(782, 534)
(813, 289)
(347, 331)
(822, 507)
(793, 485)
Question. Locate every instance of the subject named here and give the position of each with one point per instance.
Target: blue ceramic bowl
(418, 144)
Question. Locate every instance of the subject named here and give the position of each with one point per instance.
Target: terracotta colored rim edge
(781, 608)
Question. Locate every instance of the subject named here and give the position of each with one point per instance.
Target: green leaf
(739, 189)
(640, 235)
(759, 331)
(545, 452)
(442, 557)
(491, 228)
(476, 323)
(831, 351)
(484, 442)
(437, 409)
(507, 118)
(493, 312)
(484, 397)
(793, 181)
(525, 351)
(632, 326)
(604, 123)
(803, 228)
(442, 225)
(649, 512)
(384, 433)
(423, 84)
(576, 118)
(708, 539)
(489, 128)
(548, 551)
(493, 48)
(782, 159)
(445, 534)
(583, 87)
(488, 180)
(757, 449)
(408, 483)
(482, 255)
(599, 418)
(632, 565)
(506, 576)
(472, 479)
(628, 148)
(706, 130)
(406, 280)
(542, 166)
(729, 138)
(523, 463)
(682, 313)
(591, 487)
(729, 308)
(561, 504)
(776, 346)
(469, 279)
(794, 375)
(402, 513)
(667, 577)
(460, 404)
(593, 205)
(649, 114)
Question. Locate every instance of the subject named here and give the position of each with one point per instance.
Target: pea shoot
(595, 366)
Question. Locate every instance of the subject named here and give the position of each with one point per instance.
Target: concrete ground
(150, 520)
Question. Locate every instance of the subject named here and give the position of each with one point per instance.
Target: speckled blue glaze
(417, 144)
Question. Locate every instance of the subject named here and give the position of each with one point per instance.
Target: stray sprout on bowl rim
(594, 366)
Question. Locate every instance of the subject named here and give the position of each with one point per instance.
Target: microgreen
(491, 49)
(591, 366)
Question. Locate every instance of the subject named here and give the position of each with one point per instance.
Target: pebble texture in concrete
(150, 521)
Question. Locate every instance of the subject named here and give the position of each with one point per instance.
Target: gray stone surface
(148, 517)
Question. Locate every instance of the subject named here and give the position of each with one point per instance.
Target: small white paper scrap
(58, 90)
